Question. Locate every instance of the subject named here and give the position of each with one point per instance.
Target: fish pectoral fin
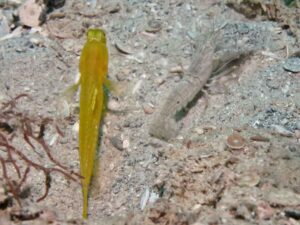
(70, 91)
(108, 84)
(115, 88)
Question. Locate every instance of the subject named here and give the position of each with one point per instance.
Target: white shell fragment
(144, 198)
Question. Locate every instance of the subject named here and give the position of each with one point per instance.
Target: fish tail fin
(85, 201)
(95, 186)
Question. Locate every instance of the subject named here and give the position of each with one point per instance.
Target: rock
(12, 3)
(123, 47)
(37, 42)
(5, 200)
(250, 179)
(112, 6)
(297, 134)
(159, 81)
(298, 125)
(235, 141)
(292, 213)
(48, 216)
(176, 69)
(117, 142)
(144, 198)
(114, 105)
(282, 197)
(282, 130)
(126, 144)
(32, 14)
(199, 130)
(75, 127)
(4, 26)
(154, 26)
(292, 64)
(133, 122)
(123, 74)
(56, 3)
(264, 211)
(148, 108)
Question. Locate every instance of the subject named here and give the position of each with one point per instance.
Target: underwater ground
(234, 155)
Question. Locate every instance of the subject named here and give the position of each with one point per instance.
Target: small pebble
(177, 78)
(282, 130)
(199, 130)
(123, 74)
(176, 69)
(20, 50)
(148, 108)
(235, 141)
(153, 197)
(159, 81)
(4, 26)
(297, 134)
(264, 211)
(144, 198)
(117, 142)
(112, 6)
(31, 13)
(13, 3)
(123, 48)
(298, 125)
(75, 127)
(292, 64)
(154, 26)
(259, 138)
(192, 35)
(249, 179)
(35, 41)
(273, 83)
(113, 105)
(53, 139)
(133, 123)
(48, 215)
(126, 144)
(137, 87)
(284, 121)
(196, 208)
(282, 197)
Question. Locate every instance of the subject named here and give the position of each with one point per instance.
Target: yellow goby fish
(93, 79)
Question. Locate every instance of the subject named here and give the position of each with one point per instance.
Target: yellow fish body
(93, 77)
